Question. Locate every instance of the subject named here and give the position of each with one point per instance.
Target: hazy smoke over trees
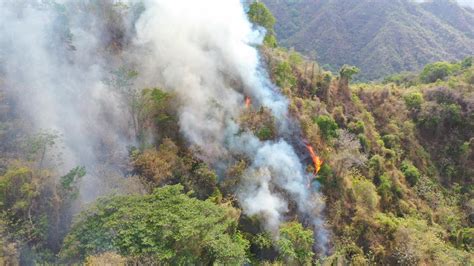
(201, 51)
(54, 62)
(201, 56)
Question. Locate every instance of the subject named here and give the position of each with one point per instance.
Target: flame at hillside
(248, 102)
(200, 56)
(316, 160)
(203, 52)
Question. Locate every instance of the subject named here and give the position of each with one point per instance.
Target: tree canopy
(166, 226)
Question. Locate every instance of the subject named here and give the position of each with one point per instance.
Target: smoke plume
(53, 62)
(200, 50)
(204, 52)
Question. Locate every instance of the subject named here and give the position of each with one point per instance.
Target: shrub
(376, 166)
(469, 77)
(295, 244)
(324, 173)
(166, 226)
(391, 141)
(265, 133)
(327, 125)
(467, 62)
(414, 100)
(437, 71)
(284, 77)
(366, 196)
(410, 172)
(357, 127)
(259, 14)
(346, 72)
(406, 79)
(385, 189)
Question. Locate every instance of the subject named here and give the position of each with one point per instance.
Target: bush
(346, 72)
(327, 125)
(376, 166)
(467, 62)
(406, 79)
(295, 244)
(414, 100)
(167, 227)
(391, 141)
(265, 133)
(366, 197)
(385, 189)
(259, 14)
(469, 77)
(411, 173)
(324, 173)
(284, 77)
(452, 114)
(438, 71)
(357, 127)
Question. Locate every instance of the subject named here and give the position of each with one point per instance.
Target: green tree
(295, 244)
(166, 226)
(346, 72)
(327, 125)
(467, 62)
(414, 100)
(284, 75)
(411, 173)
(366, 197)
(438, 70)
(259, 14)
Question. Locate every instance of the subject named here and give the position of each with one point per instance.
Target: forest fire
(248, 101)
(316, 160)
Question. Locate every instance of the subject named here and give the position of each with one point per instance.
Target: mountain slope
(381, 37)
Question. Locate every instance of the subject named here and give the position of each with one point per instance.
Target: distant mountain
(381, 37)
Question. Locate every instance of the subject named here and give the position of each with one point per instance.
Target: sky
(469, 3)
(466, 3)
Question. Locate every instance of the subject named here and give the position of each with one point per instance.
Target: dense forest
(381, 37)
(151, 133)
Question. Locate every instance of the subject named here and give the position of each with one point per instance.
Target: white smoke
(468, 3)
(53, 64)
(204, 52)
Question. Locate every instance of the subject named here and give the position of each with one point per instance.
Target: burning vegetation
(248, 102)
(317, 162)
(161, 126)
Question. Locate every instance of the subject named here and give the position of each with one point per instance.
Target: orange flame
(316, 160)
(248, 101)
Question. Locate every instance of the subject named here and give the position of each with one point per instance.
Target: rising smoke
(202, 51)
(53, 62)
(199, 50)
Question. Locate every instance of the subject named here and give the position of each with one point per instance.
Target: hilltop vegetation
(398, 159)
(381, 37)
(397, 176)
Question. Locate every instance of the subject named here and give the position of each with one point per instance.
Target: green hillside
(380, 37)
(395, 157)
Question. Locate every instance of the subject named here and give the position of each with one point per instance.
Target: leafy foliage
(411, 172)
(381, 38)
(259, 14)
(438, 71)
(409, 203)
(346, 72)
(295, 244)
(327, 125)
(166, 226)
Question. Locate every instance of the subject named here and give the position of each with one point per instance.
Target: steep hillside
(455, 15)
(183, 145)
(381, 37)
